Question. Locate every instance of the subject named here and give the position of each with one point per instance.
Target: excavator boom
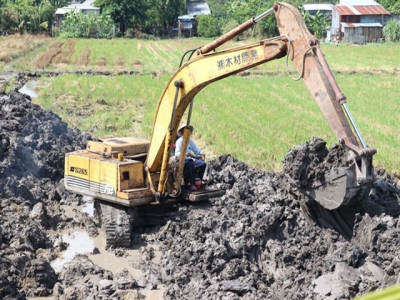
(298, 44)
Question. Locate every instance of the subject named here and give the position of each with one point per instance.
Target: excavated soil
(259, 241)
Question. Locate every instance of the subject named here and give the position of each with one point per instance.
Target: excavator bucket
(340, 188)
(339, 177)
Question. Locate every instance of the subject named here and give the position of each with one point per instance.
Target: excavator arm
(295, 42)
(191, 78)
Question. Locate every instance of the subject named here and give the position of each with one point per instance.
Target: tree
(26, 16)
(317, 23)
(126, 13)
(8, 19)
(393, 6)
(208, 26)
(161, 14)
(58, 3)
(43, 14)
(149, 16)
(219, 9)
(243, 10)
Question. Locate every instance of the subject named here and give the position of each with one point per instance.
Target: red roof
(371, 10)
(345, 10)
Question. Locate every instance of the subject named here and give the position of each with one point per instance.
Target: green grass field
(255, 118)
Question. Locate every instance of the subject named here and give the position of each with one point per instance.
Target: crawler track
(116, 221)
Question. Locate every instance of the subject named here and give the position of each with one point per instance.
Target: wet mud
(258, 241)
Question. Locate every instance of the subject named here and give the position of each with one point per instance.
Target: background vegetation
(79, 25)
(156, 18)
(256, 116)
(391, 31)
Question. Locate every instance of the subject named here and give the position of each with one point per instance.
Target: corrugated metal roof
(197, 8)
(371, 10)
(361, 24)
(315, 6)
(358, 2)
(345, 10)
(60, 11)
(184, 17)
(87, 5)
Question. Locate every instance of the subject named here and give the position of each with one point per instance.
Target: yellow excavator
(125, 174)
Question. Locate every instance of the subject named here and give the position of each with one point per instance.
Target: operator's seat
(186, 169)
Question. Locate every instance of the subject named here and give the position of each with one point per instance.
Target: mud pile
(256, 242)
(32, 146)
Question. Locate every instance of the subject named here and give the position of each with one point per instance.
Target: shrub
(208, 26)
(391, 32)
(78, 25)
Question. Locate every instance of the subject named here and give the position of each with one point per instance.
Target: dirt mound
(32, 146)
(255, 242)
(81, 279)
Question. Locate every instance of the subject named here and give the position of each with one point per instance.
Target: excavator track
(118, 236)
(116, 221)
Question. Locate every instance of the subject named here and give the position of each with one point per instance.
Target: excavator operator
(194, 160)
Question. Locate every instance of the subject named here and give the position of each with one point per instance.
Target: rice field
(256, 118)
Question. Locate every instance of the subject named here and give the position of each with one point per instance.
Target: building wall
(335, 22)
(352, 19)
(372, 19)
(362, 35)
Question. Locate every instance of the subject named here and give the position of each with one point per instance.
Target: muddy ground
(259, 241)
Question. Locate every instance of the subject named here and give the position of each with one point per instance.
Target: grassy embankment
(255, 118)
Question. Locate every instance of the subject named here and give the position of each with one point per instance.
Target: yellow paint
(108, 174)
(94, 170)
(135, 171)
(125, 145)
(78, 166)
(388, 293)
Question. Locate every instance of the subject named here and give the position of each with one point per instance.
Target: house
(86, 7)
(358, 21)
(187, 24)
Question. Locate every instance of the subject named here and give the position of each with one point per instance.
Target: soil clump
(256, 242)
